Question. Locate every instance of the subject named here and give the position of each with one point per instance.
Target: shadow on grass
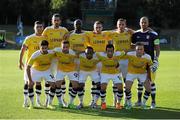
(134, 113)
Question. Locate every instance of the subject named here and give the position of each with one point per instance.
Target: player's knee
(25, 86)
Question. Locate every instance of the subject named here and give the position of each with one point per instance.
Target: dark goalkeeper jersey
(148, 38)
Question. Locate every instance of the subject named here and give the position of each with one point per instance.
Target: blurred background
(17, 17)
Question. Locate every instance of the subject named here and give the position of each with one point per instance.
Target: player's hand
(155, 65)
(21, 65)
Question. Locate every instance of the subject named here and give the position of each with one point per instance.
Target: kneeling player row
(101, 67)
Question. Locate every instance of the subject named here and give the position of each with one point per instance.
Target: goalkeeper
(151, 43)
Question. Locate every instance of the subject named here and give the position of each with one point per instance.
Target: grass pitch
(168, 94)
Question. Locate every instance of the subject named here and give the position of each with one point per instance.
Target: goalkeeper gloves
(155, 65)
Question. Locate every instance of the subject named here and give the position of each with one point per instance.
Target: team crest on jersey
(147, 36)
(138, 37)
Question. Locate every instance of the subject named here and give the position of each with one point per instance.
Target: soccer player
(55, 34)
(121, 39)
(78, 42)
(151, 44)
(98, 40)
(38, 68)
(138, 68)
(110, 70)
(30, 45)
(87, 67)
(67, 65)
(77, 38)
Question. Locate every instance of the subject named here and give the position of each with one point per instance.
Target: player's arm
(148, 73)
(131, 31)
(23, 49)
(28, 71)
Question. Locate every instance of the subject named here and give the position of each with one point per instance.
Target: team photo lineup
(123, 55)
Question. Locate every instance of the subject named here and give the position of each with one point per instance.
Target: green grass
(168, 94)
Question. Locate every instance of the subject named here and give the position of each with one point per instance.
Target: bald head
(144, 23)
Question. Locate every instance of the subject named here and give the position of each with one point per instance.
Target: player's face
(38, 28)
(110, 52)
(44, 49)
(98, 28)
(139, 50)
(89, 53)
(77, 24)
(144, 23)
(56, 22)
(65, 48)
(121, 25)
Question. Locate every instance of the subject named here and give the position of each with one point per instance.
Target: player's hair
(144, 17)
(109, 46)
(98, 22)
(89, 48)
(44, 43)
(65, 42)
(121, 19)
(38, 22)
(56, 15)
(139, 44)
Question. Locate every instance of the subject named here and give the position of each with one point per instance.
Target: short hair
(109, 46)
(44, 43)
(121, 19)
(98, 22)
(139, 44)
(38, 22)
(89, 47)
(144, 17)
(65, 42)
(56, 15)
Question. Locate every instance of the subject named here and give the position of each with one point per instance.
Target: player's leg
(25, 104)
(140, 92)
(129, 82)
(36, 77)
(153, 90)
(143, 79)
(117, 80)
(82, 79)
(96, 79)
(38, 93)
(115, 90)
(63, 88)
(59, 93)
(104, 82)
(51, 94)
(73, 76)
(25, 90)
(124, 69)
(46, 89)
(81, 95)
